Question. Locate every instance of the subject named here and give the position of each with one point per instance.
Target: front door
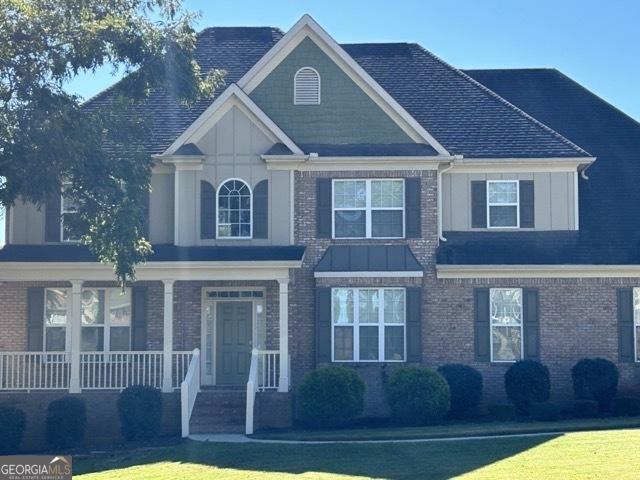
(233, 342)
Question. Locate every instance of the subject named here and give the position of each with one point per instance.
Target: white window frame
(295, 87)
(520, 325)
(509, 204)
(67, 330)
(368, 209)
(223, 237)
(64, 212)
(355, 326)
(636, 321)
(106, 326)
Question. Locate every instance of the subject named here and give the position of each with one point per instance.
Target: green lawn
(455, 430)
(583, 455)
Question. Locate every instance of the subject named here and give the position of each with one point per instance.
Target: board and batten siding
(553, 196)
(161, 203)
(26, 224)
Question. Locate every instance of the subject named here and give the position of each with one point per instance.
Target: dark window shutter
(324, 192)
(478, 204)
(139, 319)
(323, 325)
(35, 319)
(414, 324)
(52, 214)
(207, 210)
(413, 229)
(482, 328)
(527, 211)
(531, 324)
(261, 210)
(626, 347)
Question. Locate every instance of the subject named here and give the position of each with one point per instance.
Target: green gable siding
(346, 113)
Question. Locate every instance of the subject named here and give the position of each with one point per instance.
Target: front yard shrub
(595, 379)
(544, 411)
(417, 395)
(12, 425)
(502, 412)
(465, 386)
(66, 423)
(140, 411)
(626, 406)
(527, 381)
(330, 396)
(585, 408)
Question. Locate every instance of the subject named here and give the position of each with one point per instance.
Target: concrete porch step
(219, 410)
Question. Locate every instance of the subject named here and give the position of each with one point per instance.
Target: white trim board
(537, 271)
(307, 163)
(307, 27)
(233, 96)
(410, 274)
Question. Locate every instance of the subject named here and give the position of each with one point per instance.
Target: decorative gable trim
(233, 96)
(308, 27)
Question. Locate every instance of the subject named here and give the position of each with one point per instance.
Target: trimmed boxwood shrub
(12, 425)
(329, 397)
(585, 408)
(626, 406)
(465, 387)
(417, 395)
(527, 381)
(140, 411)
(502, 412)
(544, 411)
(595, 379)
(66, 423)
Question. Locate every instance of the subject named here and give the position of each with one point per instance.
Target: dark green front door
(233, 342)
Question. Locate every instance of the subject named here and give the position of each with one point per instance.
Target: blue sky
(597, 43)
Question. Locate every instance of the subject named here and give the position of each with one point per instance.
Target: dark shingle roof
(462, 115)
(609, 201)
(162, 253)
(368, 258)
(359, 149)
(188, 149)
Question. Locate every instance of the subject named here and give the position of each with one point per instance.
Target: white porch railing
(34, 371)
(264, 374)
(189, 391)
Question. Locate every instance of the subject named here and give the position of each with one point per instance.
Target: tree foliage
(47, 138)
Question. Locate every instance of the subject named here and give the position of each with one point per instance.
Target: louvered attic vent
(306, 87)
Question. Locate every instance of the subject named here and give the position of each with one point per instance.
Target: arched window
(234, 209)
(306, 87)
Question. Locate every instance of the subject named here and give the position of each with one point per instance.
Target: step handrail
(189, 391)
(252, 388)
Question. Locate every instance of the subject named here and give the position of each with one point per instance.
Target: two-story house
(361, 204)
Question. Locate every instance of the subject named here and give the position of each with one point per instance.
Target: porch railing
(98, 370)
(264, 374)
(189, 391)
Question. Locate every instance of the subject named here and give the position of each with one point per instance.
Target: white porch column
(167, 344)
(75, 324)
(283, 384)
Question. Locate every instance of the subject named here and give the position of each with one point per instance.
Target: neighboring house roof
(360, 150)
(162, 253)
(465, 117)
(368, 258)
(609, 200)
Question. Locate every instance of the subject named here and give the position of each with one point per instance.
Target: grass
(453, 430)
(580, 455)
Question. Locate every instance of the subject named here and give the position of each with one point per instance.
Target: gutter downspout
(439, 186)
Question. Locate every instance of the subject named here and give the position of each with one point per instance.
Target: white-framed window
(306, 87)
(368, 324)
(506, 324)
(68, 210)
(106, 320)
(235, 214)
(372, 208)
(503, 204)
(55, 319)
(636, 321)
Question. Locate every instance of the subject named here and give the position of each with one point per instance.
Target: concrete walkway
(239, 438)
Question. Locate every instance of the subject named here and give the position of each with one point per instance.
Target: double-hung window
(106, 320)
(502, 204)
(368, 208)
(368, 324)
(55, 319)
(69, 212)
(636, 321)
(506, 324)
